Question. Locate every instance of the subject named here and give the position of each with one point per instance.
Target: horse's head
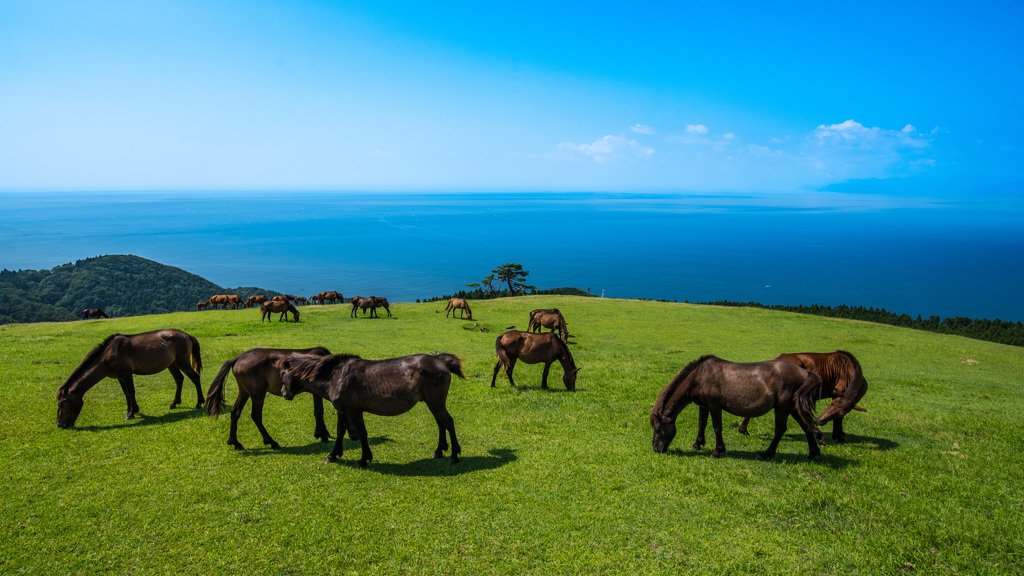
(569, 378)
(68, 409)
(289, 384)
(664, 431)
(846, 403)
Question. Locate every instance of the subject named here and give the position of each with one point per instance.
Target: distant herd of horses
(790, 385)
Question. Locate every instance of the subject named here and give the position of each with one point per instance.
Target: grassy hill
(550, 482)
(122, 285)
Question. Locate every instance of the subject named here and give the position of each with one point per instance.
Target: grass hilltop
(550, 482)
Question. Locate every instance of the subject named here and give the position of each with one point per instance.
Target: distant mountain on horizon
(122, 285)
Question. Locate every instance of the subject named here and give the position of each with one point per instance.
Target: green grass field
(550, 482)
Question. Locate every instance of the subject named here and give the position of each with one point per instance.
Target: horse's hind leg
(257, 418)
(236, 413)
(814, 437)
(128, 387)
(702, 424)
(356, 421)
(781, 416)
(178, 381)
(445, 422)
(494, 376)
(544, 376)
(194, 377)
(716, 423)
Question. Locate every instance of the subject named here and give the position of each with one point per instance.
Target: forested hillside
(122, 285)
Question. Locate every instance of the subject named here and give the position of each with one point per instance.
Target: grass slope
(550, 482)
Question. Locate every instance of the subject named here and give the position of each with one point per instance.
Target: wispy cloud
(641, 129)
(606, 148)
(696, 129)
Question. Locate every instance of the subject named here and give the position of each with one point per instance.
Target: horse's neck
(82, 380)
(676, 398)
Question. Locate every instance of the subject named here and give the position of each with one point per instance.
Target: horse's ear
(859, 409)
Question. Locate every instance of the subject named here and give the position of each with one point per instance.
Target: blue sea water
(913, 256)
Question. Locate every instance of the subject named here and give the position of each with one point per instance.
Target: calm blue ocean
(907, 256)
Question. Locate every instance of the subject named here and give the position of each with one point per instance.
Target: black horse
(743, 389)
(92, 313)
(383, 387)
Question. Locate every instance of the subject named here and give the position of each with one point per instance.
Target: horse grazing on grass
(371, 304)
(92, 313)
(841, 379)
(381, 302)
(121, 356)
(744, 389)
(300, 300)
(258, 371)
(458, 304)
(383, 387)
(225, 300)
(533, 349)
(552, 319)
(316, 299)
(283, 306)
(253, 300)
(201, 305)
(331, 297)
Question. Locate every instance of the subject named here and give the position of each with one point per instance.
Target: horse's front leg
(338, 439)
(716, 423)
(544, 376)
(743, 427)
(702, 424)
(356, 421)
(257, 418)
(320, 430)
(194, 377)
(128, 387)
(838, 434)
(446, 422)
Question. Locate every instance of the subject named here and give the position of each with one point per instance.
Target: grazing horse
(381, 302)
(283, 306)
(458, 304)
(532, 349)
(841, 379)
(122, 355)
(744, 389)
(316, 299)
(552, 319)
(284, 298)
(371, 303)
(201, 305)
(222, 300)
(331, 297)
(258, 371)
(253, 300)
(383, 387)
(300, 300)
(92, 313)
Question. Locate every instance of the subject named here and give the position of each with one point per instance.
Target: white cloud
(697, 129)
(606, 148)
(641, 129)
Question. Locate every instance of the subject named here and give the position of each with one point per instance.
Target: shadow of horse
(143, 420)
(315, 447)
(430, 467)
(880, 444)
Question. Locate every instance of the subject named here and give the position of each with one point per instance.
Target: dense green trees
(122, 285)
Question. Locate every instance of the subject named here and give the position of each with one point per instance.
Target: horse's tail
(215, 395)
(452, 362)
(807, 395)
(197, 355)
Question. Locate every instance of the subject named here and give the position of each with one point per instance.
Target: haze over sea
(910, 256)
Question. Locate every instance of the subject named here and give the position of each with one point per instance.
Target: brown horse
(201, 305)
(300, 300)
(744, 389)
(381, 302)
(120, 356)
(383, 387)
(552, 319)
(458, 304)
(258, 371)
(841, 379)
(253, 300)
(316, 299)
(283, 306)
(224, 300)
(331, 297)
(533, 349)
(371, 304)
(92, 313)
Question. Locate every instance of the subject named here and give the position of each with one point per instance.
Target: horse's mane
(858, 383)
(316, 368)
(565, 348)
(91, 358)
(679, 378)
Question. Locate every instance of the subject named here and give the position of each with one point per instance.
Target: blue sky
(591, 96)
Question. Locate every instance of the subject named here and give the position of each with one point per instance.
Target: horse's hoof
(199, 405)
(236, 445)
(715, 454)
(697, 445)
(274, 446)
(331, 459)
(129, 416)
(839, 439)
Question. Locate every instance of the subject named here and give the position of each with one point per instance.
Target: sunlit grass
(549, 482)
